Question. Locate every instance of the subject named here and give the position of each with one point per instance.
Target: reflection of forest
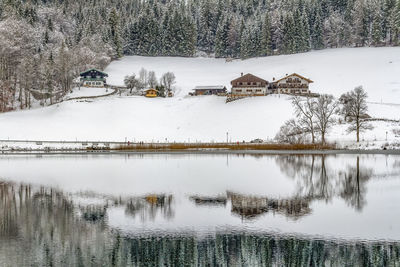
(41, 227)
(316, 179)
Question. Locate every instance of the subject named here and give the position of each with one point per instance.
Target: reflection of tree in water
(42, 227)
(354, 185)
(317, 180)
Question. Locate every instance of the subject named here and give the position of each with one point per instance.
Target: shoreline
(205, 152)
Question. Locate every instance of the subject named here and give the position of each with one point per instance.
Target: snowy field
(208, 118)
(85, 91)
(333, 71)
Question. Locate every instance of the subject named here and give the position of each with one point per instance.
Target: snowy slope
(138, 118)
(84, 92)
(334, 71)
(208, 118)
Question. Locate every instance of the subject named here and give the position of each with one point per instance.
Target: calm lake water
(200, 210)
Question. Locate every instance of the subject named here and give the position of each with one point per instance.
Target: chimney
(241, 74)
(273, 79)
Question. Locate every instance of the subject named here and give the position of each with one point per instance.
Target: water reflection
(250, 206)
(319, 181)
(41, 227)
(48, 226)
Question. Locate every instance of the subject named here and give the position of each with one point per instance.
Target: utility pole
(227, 137)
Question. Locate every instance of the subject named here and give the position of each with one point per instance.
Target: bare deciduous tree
(167, 80)
(152, 79)
(291, 132)
(324, 109)
(305, 114)
(355, 109)
(143, 79)
(131, 82)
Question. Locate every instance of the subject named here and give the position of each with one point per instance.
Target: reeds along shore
(225, 146)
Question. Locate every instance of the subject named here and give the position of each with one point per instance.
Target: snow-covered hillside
(333, 71)
(207, 118)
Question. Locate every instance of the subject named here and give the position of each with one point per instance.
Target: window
(238, 90)
(240, 83)
(249, 90)
(258, 90)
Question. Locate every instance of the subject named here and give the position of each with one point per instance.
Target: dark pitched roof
(87, 71)
(211, 87)
(249, 78)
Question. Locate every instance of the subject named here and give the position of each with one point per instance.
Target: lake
(200, 210)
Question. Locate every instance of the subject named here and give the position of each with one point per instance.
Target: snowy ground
(85, 91)
(333, 71)
(208, 118)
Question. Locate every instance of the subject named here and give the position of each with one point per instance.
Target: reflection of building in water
(40, 227)
(149, 206)
(209, 201)
(251, 206)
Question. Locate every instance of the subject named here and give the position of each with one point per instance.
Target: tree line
(44, 44)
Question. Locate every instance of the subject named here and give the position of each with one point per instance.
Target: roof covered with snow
(249, 78)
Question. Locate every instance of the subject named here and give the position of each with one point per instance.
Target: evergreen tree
(317, 34)
(397, 23)
(221, 39)
(113, 21)
(376, 30)
(289, 35)
(266, 36)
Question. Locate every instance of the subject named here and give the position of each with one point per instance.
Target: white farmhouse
(249, 85)
(291, 84)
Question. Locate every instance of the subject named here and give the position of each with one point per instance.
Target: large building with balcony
(291, 84)
(249, 85)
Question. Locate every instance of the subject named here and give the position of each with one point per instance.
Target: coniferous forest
(44, 44)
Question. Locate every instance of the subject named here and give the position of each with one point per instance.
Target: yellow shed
(151, 93)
